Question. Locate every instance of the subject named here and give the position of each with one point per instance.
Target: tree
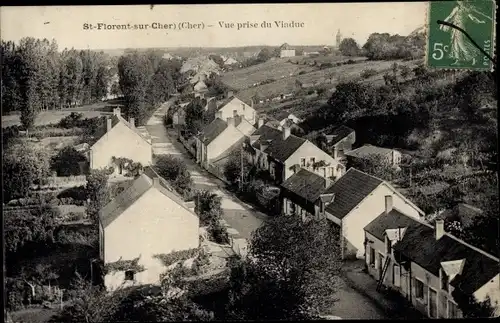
(207, 207)
(264, 55)
(195, 113)
(471, 307)
(405, 71)
(34, 225)
(174, 170)
(217, 59)
(290, 272)
(232, 168)
(67, 162)
(23, 166)
(97, 192)
(349, 47)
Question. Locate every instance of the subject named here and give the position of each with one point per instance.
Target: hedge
(171, 258)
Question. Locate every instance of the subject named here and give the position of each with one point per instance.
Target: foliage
(174, 170)
(367, 73)
(22, 226)
(470, 306)
(175, 256)
(292, 265)
(67, 162)
(124, 265)
(207, 207)
(218, 232)
(71, 120)
(349, 47)
(131, 168)
(386, 47)
(78, 193)
(195, 116)
(377, 166)
(23, 166)
(232, 168)
(97, 192)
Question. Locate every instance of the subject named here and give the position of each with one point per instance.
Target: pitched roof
(132, 193)
(212, 130)
(420, 245)
(338, 134)
(115, 119)
(306, 184)
(350, 189)
(367, 150)
(277, 148)
(231, 98)
(393, 220)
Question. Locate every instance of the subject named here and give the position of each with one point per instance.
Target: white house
(392, 156)
(235, 106)
(287, 53)
(146, 219)
(358, 199)
(120, 139)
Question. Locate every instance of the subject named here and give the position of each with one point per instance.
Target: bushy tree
(207, 206)
(98, 193)
(67, 162)
(232, 168)
(174, 170)
(195, 113)
(290, 272)
(23, 165)
(349, 47)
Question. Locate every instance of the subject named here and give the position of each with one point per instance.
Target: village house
(119, 139)
(147, 219)
(340, 140)
(179, 114)
(428, 266)
(281, 153)
(200, 89)
(358, 199)
(393, 157)
(220, 137)
(235, 106)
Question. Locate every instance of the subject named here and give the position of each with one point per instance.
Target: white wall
(308, 150)
(491, 289)
(353, 224)
(153, 225)
(123, 142)
(226, 139)
(243, 110)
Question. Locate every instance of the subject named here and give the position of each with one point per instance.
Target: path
(237, 214)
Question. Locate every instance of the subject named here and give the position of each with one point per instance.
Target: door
(432, 303)
(380, 265)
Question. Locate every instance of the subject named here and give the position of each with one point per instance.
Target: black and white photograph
(251, 162)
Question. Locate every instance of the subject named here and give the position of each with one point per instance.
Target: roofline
(351, 151)
(134, 130)
(484, 253)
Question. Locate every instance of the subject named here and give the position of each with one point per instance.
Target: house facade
(234, 106)
(220, 137)
(360, 198)
(145, 220)
(282, 154)
(425, 265)
(340, 141)
(179, 114)
(119, 139)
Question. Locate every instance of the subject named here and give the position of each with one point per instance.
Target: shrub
(71, 120)
(367, 73)
(77, 193)
(174, 170)
(175, 256)
(218, 232)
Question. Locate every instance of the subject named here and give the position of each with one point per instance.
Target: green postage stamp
(454, 27)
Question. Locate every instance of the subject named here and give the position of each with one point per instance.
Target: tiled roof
(132, 193)
(115, 119)
(420, 245)
(350, 190)
(393, 220)
(338, 134)
(212, 131)
(306, 184)
(278, 148)
(367, 150)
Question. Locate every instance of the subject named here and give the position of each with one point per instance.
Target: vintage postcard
(250, 162)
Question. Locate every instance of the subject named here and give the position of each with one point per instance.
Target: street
(242, 217)
(237, 214)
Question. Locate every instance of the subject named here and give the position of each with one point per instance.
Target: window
(322, 207)
(444, 280)
(129, 275)
(271, 169)
(388, 246)
(419, 289)
(313, 160)
(302, 162)
(324, 172)
(396, 276)
(452, 310)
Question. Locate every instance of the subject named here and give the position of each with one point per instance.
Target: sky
(320, 21)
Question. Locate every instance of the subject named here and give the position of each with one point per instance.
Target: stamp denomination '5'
(449, 47)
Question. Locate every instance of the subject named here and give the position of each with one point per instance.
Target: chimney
(235, 113)
(286, 133)
(230, 122)
(218, 114)
(109, 124)
(132, 122)
(334, 152)
(116, 112)
(328, 182)
(439, 228)
(260, 122)
(388, 204)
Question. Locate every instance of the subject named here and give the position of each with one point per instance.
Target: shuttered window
(396, 276)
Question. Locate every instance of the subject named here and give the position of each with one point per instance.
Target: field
(337, 74)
